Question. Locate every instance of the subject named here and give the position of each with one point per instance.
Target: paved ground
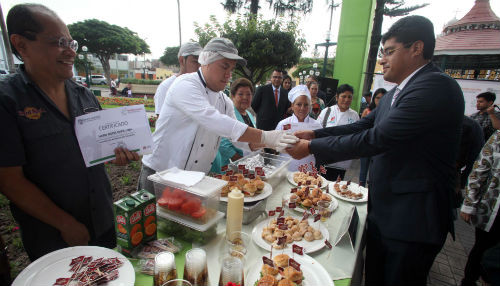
(448, 268)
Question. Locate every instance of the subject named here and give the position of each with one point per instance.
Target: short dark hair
(22, 21)
(367, 94)
(241, 82)
(410, 29)
(343, 88)
(287, 77)
(488, 96)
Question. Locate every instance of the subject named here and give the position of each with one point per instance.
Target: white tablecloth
(340, 262)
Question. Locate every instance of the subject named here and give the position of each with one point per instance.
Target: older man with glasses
(56, 200)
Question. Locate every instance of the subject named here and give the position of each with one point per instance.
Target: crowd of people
(408, 140)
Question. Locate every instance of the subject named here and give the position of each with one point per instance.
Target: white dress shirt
(337, 118)
(161, 92)
(294, 164)
(402, 85)
(191, 122)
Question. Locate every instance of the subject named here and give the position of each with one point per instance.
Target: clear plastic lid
(207, 187)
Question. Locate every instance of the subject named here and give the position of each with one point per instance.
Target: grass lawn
(108, 106)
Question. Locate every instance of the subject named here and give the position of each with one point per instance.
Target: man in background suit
(414, 143)
(270, 102)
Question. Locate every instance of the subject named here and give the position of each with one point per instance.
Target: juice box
(129, 231)
(148, 206)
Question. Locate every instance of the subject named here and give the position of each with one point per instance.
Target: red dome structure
(470, 47)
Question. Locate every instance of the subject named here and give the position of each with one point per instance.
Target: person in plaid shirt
(486, 116)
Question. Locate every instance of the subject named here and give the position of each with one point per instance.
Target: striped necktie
(395, 95)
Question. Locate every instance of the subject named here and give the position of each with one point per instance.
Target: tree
(265, 44)
(104, 40)
(280, 7)
(169, 57)
(382, 9)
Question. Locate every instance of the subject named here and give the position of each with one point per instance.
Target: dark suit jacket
(414, 146)
(264, 105)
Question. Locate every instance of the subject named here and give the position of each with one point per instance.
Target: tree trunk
(254, 7)
(374, 45)
(104, 59)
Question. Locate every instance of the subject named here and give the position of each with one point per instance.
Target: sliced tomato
(179, 193)
(166, 194)
(163, 202)
(175, 203)
(198, 214)
(190, 206)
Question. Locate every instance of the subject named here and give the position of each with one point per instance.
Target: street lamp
(300, 77)
(315, 67)
(325, 61)
(311, 72)
(86, 57)
(327, 44)
(316, 73)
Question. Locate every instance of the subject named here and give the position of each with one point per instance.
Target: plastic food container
(186, 230)
(197, 204)
(251, 211)
(275, 166)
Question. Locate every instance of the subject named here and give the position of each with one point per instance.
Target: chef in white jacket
(300, 98)
(339, 114)
(196, 114)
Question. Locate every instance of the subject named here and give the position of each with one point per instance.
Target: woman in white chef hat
(300, 98)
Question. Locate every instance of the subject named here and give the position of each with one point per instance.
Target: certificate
(100, 133)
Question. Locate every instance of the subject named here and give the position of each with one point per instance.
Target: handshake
(297, 145)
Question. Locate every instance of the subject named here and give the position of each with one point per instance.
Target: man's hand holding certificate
(100, 133)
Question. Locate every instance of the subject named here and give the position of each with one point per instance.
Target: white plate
(335, 204)
(355, 188)
(289, 176)
(266, 192)
(309, 247)
(313, 272)
(48, 268)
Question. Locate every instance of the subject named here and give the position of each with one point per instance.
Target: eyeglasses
(62, 42)
(67, 43)
(388, 52)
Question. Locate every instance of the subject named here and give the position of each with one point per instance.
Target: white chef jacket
(191, 122)
(161, 92)
(337, 118)
(294, 164)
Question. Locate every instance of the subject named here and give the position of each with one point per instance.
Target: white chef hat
(298, 91)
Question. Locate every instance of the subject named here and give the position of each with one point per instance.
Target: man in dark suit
(270, 103)
(413, 142)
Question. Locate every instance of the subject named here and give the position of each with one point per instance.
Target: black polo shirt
(41, 139)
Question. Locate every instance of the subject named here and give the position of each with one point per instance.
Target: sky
(156, 21)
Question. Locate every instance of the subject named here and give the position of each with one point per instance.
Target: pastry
(266, 280)
(281, 260)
